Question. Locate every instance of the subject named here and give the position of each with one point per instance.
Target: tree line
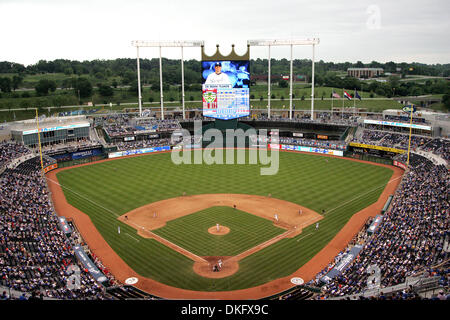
(105, 75)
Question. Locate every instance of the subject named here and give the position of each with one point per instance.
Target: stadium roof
(49, 124)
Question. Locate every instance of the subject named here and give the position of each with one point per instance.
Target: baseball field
(167, 226)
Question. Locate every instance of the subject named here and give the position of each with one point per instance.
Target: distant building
(52, 130)
(364, 72)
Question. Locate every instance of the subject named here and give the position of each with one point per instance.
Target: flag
(335, 95)
(349, 97)
(357, 95)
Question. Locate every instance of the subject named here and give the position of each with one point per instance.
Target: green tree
(105, 91)
(283, 83)
(446, 100)
(44, 86)
(83, 87)
(16, 81)
(5, 84)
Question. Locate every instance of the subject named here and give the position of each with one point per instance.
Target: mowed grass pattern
(246, 231)
(107, 190)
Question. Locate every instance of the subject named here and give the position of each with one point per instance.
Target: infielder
(276, 217)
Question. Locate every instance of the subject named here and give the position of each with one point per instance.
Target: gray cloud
(98, 29)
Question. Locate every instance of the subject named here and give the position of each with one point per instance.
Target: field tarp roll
(89, 265)
(345, 261)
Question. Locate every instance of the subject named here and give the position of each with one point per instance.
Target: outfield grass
(107, 190)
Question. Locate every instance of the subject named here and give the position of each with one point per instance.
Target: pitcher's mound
(222, 230)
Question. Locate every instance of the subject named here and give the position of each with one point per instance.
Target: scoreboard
(226, 89)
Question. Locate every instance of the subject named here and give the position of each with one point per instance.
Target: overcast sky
(380, 30)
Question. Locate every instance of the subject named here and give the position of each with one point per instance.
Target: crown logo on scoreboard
(210, 96)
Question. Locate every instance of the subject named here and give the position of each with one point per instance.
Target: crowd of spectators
(158, 125)
(123, 124)
(130, 145)
(391, 140)
(10, 150)
(335, 145)
(68, 146)
(360, 238)
(34, 252)
(412, 235)
(438, 146)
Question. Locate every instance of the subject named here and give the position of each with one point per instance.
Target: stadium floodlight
(289, 42)
(174, 43)
(160, 44)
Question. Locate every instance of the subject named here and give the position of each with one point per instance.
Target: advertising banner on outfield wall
(312, 150)
(400, 164)
(86, 153)
(51, 167)
(88, 264)
(137, 151)
(369, 146)
(342, 264)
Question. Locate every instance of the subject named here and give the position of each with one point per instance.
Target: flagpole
(354, 102)
(332, 94)
(342, 116)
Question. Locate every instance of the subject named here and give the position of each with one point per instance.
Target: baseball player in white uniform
(218, 77)
(276, 216)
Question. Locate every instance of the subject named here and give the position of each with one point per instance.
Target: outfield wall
(137, 151)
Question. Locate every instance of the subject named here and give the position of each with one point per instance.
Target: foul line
(186, 253)
(132, 237)
(305, 236)
(138, 227)
(361, 195)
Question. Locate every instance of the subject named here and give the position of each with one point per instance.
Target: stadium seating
(411, 238)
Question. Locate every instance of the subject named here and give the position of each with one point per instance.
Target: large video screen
(226, 89)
